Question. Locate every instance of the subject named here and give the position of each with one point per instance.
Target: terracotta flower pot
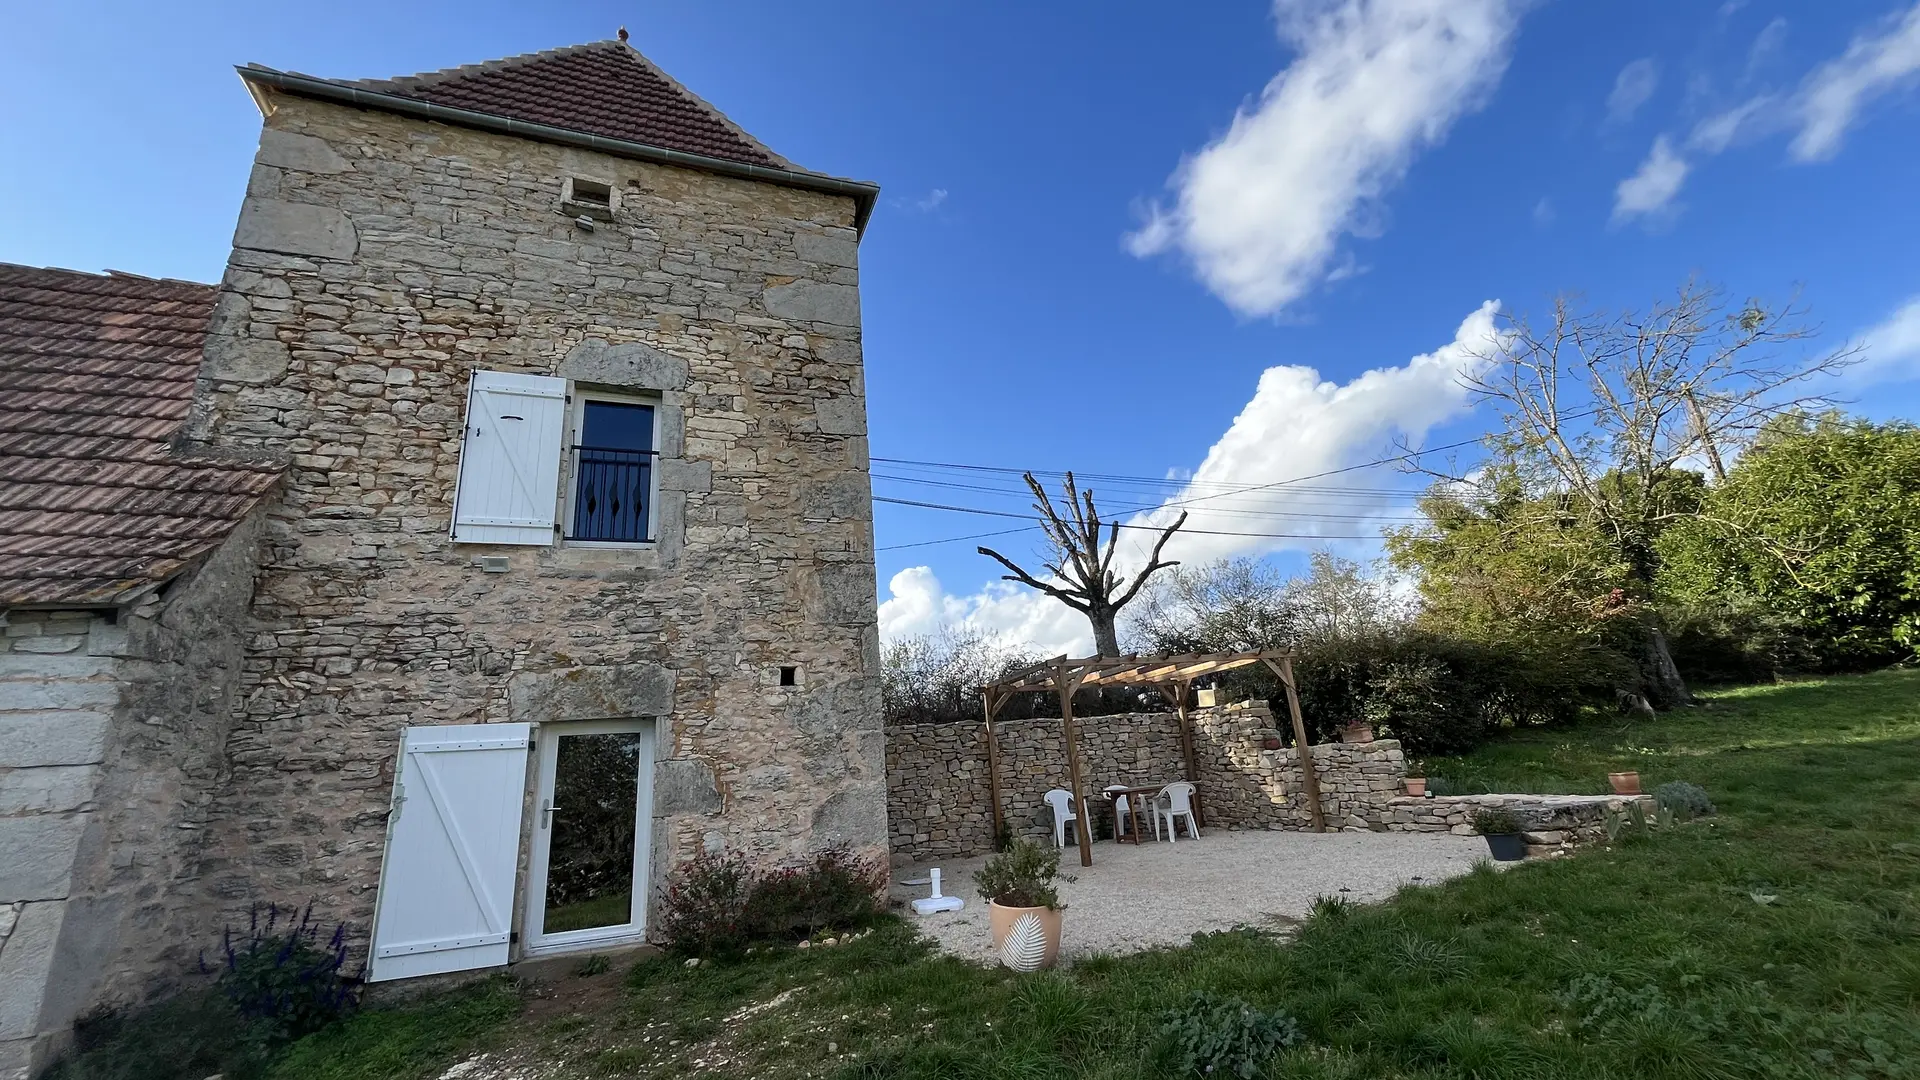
(1624, 783)
(1035, 945)
(1270, 743)
(1416, 785)
(1356, 733)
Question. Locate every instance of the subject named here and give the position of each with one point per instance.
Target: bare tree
(1227, 606)
(1609, 408)
(1339, 598)
(1081, 566)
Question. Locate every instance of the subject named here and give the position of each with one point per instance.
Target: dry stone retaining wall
(1550, 822)
(938, 804)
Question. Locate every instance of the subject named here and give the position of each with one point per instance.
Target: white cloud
(1296, 424)
(1876, 63)
(924, 204)
(1891, 350)
(1766, 44)
(1827, 103)
(1719, 131)
(1543, 212)
(1651, 189)
(1631, 89)
(1261, 210)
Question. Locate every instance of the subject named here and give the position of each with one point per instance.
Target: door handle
(547, 808)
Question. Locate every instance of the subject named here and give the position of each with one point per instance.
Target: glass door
(593, 808)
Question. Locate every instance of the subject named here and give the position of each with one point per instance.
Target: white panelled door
(509, 486)
(453, 842)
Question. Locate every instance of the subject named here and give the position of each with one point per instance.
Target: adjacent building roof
(605, 94)
(96, 376)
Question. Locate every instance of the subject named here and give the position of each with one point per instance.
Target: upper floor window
(540, 457)
(612, 494)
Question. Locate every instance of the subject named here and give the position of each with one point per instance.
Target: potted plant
(1023, 907)
(1624, 783)
(1502, 831)
(1357, 731)
(1416, 786)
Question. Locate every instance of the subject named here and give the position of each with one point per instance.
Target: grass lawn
(1780, 938)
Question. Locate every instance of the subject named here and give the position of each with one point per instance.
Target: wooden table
(1139, 804)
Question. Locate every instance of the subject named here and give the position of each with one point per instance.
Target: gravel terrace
(1135, 898)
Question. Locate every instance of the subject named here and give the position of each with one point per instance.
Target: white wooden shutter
(510, 459)
(453, 843)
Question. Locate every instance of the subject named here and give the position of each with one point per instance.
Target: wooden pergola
(1173, 676)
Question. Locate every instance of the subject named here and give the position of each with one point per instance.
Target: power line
(1123, 525)
(1234, 511)
(1022, 492)
(957, 539)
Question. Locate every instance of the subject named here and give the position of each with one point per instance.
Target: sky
(1193, 257)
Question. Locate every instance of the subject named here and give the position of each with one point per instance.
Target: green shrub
(1741, 640)
(1495, 822)
(1684, 799)
(1021, 876)
(190, 1036)
(716, 902)
(275, 982)
(834, 890)
(704, 912)
(1441, 694)
(1211, 1035)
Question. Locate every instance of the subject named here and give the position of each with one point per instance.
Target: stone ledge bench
(1551, 823)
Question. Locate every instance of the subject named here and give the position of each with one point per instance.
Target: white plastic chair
(1122, 810)
(1175, 801)
(1063, 811)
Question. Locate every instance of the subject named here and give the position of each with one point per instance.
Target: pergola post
(1179, 696)
(991, 702)
(1068, 683)
(1284, 669)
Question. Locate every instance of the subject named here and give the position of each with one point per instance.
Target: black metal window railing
(612, 494)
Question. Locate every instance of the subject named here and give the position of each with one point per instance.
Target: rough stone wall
(938, 803)
(1550, 822)
(378, 261)
(112, 733)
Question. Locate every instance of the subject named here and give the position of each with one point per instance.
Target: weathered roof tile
(601, 88)
(96, 376)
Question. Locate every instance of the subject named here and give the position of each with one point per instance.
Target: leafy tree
(1600, 415)
(1339, 598)
(1818, 522)
(1226, 606)
(1240, 604)
(1530, 579)
(938, 677)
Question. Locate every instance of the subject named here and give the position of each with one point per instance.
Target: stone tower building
(569, 572)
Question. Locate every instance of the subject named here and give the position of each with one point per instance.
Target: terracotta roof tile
(96, 376)
(602, 88)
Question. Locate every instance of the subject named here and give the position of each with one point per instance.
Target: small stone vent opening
(581, 195)
(592, 192)
(789, 675)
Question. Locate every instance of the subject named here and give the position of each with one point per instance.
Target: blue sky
(1046, 285)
